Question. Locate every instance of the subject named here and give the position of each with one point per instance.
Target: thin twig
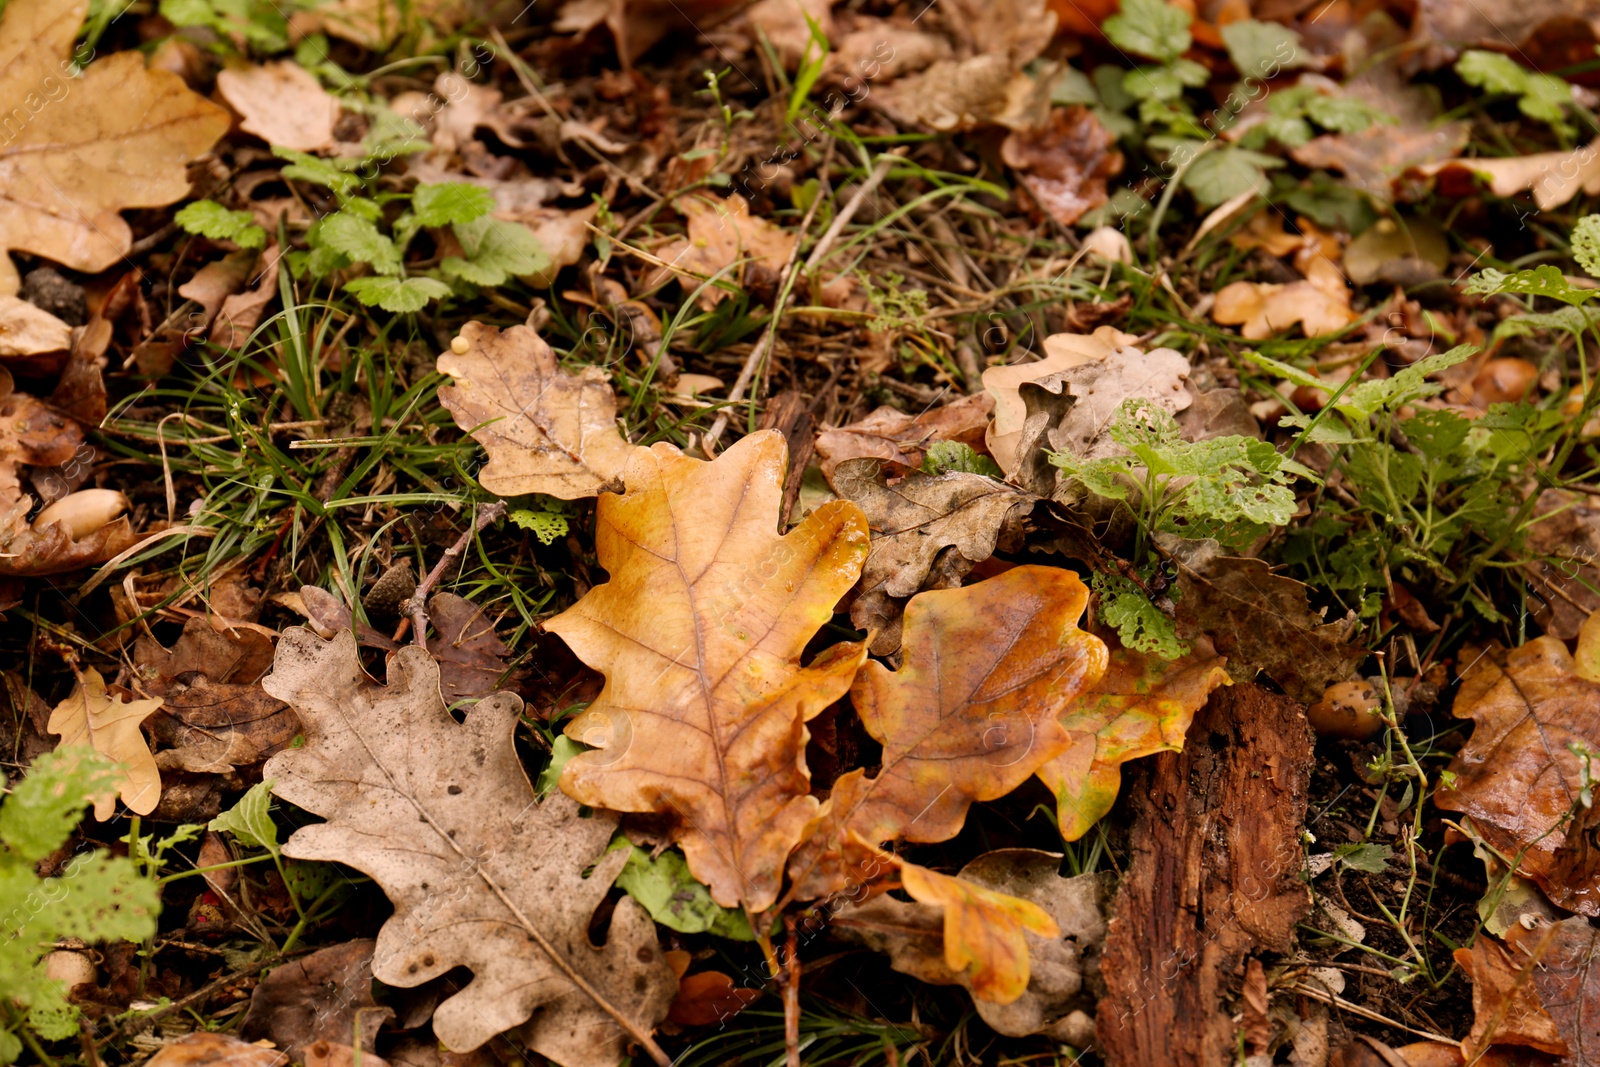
(769, 336)
(1366, 1013)
(416, 607)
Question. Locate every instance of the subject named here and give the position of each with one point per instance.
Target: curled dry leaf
(1098, 390)
(1262, 309)
(1564, 541)
(1566, 976)
(1062, 351)
(1516, 777)
(699, 633)
(281, 103)
(141, 125)
(204, 1049)
(26, 330)
(984, 931)
(326, 996)
(890, 434)
(442, 816)
(545, 430)
(1553, 178)
(928, 531)
(1063, 971)
(722, 235)
(110, 725)
(1259, 620)
(1065, 162)
(472, 658)
(1505, 1001)
(970, 715)
(1142, 705)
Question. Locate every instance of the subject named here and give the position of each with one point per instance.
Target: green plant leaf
(1150, 28)
(673, 898)
(358, 239)
(1586, 244)
(497, 251)
(1364, 856)
(1492, 72)
(45, 806)
(207, 218)
(545, 525)
(1140, 625)
(945, 456)
(395, 294)
(450, 202)
(1229, 171)
(302, 166)
(1261, 49)
(1543, 280)
(250, 820)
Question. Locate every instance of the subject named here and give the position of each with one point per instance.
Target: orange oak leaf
(1516, 777)
(699, 634)
(971, 714)
(983, 930)
(1143, 705)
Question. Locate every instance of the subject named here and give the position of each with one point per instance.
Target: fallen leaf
(1062, 351)
(1214, 879)
(143, 126)
(442, 816)
(1505, 1001)
(1515, 776)
(970, 715)
(281, 103)
(109, 725)
(1564, 541)
(1098, 389)
(1263, 309)
(984, 931)
(699, 633)
(326, 996)
(1399, 254)
(1498, 24)
(1259, 620)
(335, 1054)
(1065, 162)
(963, 94)
(1142, 705)
(890, 434)
(215, 282)
(26, 330)
(1564, 975)
(787, 25)
(1553, 178)
(1062, 984)
(1264, 230)
(204, 1049)
(1372, 158)
(545, 430)
(928, 532)
(375, 24)
(472, 658)
(724, 241)
(709, 997)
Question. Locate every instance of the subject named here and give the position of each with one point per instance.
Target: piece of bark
(790, 415)
(1214, 880)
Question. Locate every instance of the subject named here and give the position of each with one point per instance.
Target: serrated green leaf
(207, 218)
(42, 810)
(358, 240)
(1229, 171)
(1570, 320)
(562, 749)
(545, 525)
(1150, 28)
(1543, 280)
(666, 889)
(395, 294)
(450, 202)
(250, 820)
(1492, 72)
(1436, 434)
(302, 166)
(1262, 49)
(1586, 244)
(1365, 856)
(497, 250)
(943, 457)
(1140, 625)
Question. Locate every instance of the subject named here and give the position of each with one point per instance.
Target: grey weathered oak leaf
(442, 816)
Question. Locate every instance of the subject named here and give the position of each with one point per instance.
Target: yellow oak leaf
(74, 151)
(92, 716)
(699, 634)
(1143, 705)
(983, 930)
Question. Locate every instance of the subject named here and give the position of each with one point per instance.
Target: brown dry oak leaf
(699, 633)
(281, 103)
(215, 1050)
(892, 435)
(1261, 309)
(928, 532)
(1065, 162)
(26, 330)
(326, 996)
(724, 241)
(1062, 351)
(1259, 620)
(970, 715)
(1566, 975)
(1142, 705)
(1505, 1000)
(118, 137)
(110, 725)
(545, 430)
(1063, 971)
(1552, 177)
(1516, 777)
(442, 816)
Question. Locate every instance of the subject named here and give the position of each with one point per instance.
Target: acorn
(83, 512)
(1504, 381)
